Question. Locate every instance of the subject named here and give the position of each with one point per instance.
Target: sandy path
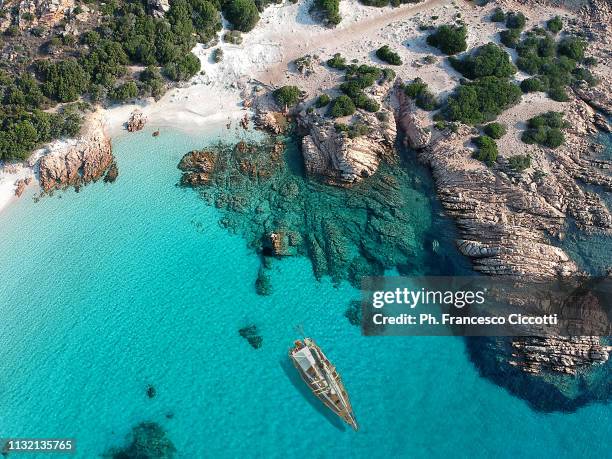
(293, 46)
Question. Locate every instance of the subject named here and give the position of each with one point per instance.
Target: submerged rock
(112, 173)
(251, 334)
(147, 440)
(346, 232)
(151, 392)
(263, 286)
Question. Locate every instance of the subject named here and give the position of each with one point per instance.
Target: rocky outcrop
(415, 135)
(339, 158)
(38, 12)
(197, 167)
(136, 121)
(559, 354)
(21, 185)
(158, 7)
(271, 121)
(78, 162)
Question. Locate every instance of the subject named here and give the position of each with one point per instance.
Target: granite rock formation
(136, 121)
(78, 162)
(336, 158)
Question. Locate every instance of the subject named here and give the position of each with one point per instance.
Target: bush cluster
(516, 20)
(287, 96)
(386, 54)
(342, 106)
(498, 15)
(481, 100)
(545, 130)
(487, 60)
(329, 10)
(449, 39)
(495, 130)
(322, 101)
(487, 149)
(555, 24)
(519, 162)
(99, 58)
(553, 65)
(242, 14)
(337, 62)
(421, 94)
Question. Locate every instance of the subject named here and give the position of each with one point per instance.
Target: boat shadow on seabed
(299, 385)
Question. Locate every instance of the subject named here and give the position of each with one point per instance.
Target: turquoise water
(120, 286)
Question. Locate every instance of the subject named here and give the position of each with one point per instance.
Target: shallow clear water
(120, 286)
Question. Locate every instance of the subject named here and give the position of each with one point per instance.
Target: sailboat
(322, 378)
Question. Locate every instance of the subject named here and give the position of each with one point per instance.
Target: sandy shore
(286, 32)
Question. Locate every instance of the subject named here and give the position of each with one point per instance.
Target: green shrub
(515, 21)
(342, 106)
(415, 88)
(495, 130)
(487, 149)
(573, 48)
(584, 74)
(386, 54)
(337, 62)
(487, 60)
(422, 96)
(558, 93)
(555, 24)
(183, 68)
(242, 14)
(520, 162)
(481, 100)
(63, 81)
(363, 76)
(388, 74)
(545, 130)
(449, 39)
(533, 84)
(329, 9)
(124, 92)
(498, 15)
(589, 61)
(510, 37)
(322, 101)
(287, 96)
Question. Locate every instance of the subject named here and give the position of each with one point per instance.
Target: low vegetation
(487, 60)
(329, 10)
(93, 66)
(449, 39)
(420, 93)
(481, 100)
(519, 163)
(498, 15)
(555, 24)
(386, 54)
(553, 66)
(545, 130)
(341, 106)
(287, 96)
(495, 130)
(487, 149)
(322, 101)
(243, 15)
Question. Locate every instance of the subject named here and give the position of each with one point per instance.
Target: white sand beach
(286, 32)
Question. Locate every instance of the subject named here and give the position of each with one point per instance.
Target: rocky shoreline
(85, 159)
